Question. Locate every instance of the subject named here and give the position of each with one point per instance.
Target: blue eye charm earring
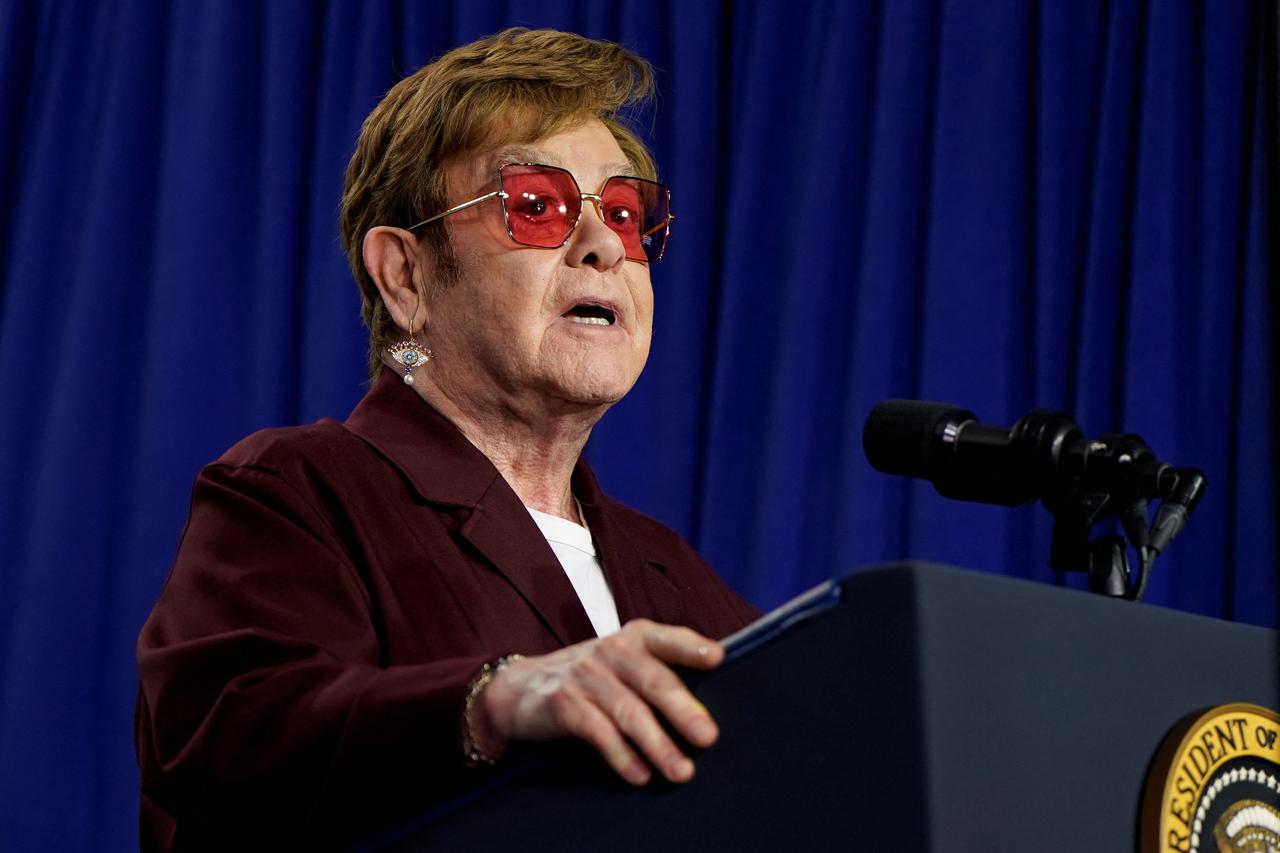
(410, 354)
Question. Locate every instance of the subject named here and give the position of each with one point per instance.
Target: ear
(398, 265)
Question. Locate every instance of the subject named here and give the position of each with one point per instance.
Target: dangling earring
(410, 354)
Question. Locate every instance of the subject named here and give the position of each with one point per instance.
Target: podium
(933, 709)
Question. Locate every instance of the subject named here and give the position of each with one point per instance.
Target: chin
(592, 396)
(595, 390)
(599, 379)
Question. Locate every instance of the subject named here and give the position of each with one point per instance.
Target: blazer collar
(443, 466)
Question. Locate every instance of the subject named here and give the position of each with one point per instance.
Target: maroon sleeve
(264, 711)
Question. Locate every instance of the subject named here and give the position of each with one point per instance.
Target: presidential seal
(1215, 785)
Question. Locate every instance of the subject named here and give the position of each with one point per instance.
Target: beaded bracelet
(469, 749)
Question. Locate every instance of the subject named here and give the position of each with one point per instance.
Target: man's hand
(606, 691)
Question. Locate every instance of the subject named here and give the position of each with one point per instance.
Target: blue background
(1006, 205)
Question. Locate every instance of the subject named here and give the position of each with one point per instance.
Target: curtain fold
(998, 204)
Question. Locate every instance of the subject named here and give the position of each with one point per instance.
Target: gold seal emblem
(1215, 784)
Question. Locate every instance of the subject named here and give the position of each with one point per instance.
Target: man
(363, 616)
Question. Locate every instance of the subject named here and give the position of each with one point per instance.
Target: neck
(534, 447)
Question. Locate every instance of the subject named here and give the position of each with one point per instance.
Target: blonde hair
(528, 84)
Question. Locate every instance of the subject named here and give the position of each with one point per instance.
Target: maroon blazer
(336, 588)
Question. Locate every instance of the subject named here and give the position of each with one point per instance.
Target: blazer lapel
(639, 583)
(444, 468)
(502, 529)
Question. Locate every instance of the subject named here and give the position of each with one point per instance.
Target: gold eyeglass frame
(595, 198)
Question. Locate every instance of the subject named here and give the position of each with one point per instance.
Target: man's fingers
(657, 685)
(632, 716)
(678, 645)
(662, 689)
(583, 718)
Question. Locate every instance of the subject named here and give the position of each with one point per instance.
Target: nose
(593, 243)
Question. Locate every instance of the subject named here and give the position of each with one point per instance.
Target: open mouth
(591, 315)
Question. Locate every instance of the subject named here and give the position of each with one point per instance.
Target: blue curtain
(1006, 205)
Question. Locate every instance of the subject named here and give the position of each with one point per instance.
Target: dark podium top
(934, 709)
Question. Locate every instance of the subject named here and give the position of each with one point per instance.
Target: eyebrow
(525, 154)
(521, 154)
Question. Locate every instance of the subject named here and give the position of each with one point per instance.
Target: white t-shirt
(576, 551)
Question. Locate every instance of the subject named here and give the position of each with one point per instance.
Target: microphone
(1042, 455)
(970, 461)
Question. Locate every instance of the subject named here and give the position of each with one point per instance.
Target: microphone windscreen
(899, 436)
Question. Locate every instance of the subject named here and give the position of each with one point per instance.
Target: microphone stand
(1104, 559)
(1117, 475)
